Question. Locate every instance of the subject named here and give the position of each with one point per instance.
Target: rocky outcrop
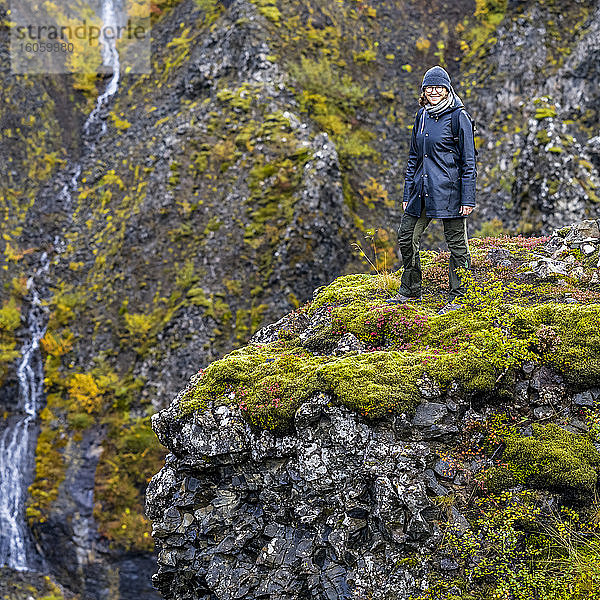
(571, 251)
(538, 131)
(325, 510)
(338, 507)
(337, 504)
(230, 182)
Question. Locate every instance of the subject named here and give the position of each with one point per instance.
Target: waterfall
(110, 58)
(18, 440)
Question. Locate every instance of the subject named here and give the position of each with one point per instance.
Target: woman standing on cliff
(439, 183)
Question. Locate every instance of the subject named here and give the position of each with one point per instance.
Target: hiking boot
(401, 299)
(450, 307)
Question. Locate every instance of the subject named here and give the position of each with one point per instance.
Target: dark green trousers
(409, 235)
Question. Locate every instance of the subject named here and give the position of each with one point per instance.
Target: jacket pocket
(452, 173)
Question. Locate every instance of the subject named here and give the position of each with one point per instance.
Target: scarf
(440, 106)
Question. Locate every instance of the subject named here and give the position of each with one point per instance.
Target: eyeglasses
(438, 88)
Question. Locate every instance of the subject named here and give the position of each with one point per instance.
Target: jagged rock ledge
(340, 507)
(338, 504)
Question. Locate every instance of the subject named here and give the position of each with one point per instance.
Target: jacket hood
(457, 101)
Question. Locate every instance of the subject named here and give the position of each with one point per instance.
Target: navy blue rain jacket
(440, 171)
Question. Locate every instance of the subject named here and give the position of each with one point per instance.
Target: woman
(439, 183)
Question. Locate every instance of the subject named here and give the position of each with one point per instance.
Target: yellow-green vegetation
(544, 108)
(337, 54)
(499, 327)
(331, 97)
(519, 545)
(120, 123)
(492, 228)
(269, 9)
(130, 458)
(477, 31)
(567, 339)
(34, 586)
(32, 140)
(517, 550)
(49, 466)
(551, 458)
(78, 400)
(10, 319)
(477, 35)
(273, 195)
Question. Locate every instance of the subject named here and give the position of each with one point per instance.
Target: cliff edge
(360, 450)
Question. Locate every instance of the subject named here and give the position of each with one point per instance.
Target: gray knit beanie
(437, 76)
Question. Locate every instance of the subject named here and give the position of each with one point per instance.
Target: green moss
(269, 382)
(553, 458)
(273, 195)
(233, 286)
(476, 346)
(242, 317)
(120, 123)
(375, 383)
(174, 167)
(219, 310)
(572, 343)
(355, 287)
(365, 56)
(323, 82)
(241, 98)
(197, 296)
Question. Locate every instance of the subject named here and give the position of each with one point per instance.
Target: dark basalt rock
(336, 506)
(245, 514)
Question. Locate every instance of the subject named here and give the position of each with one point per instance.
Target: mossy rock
(552, 458)
(479, 346)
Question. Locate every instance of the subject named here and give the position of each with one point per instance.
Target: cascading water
(110, 58)
(16, 445)
(17, 441)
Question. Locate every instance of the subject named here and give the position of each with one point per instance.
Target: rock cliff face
(357, 485)
(338, 508)
(540, 130)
